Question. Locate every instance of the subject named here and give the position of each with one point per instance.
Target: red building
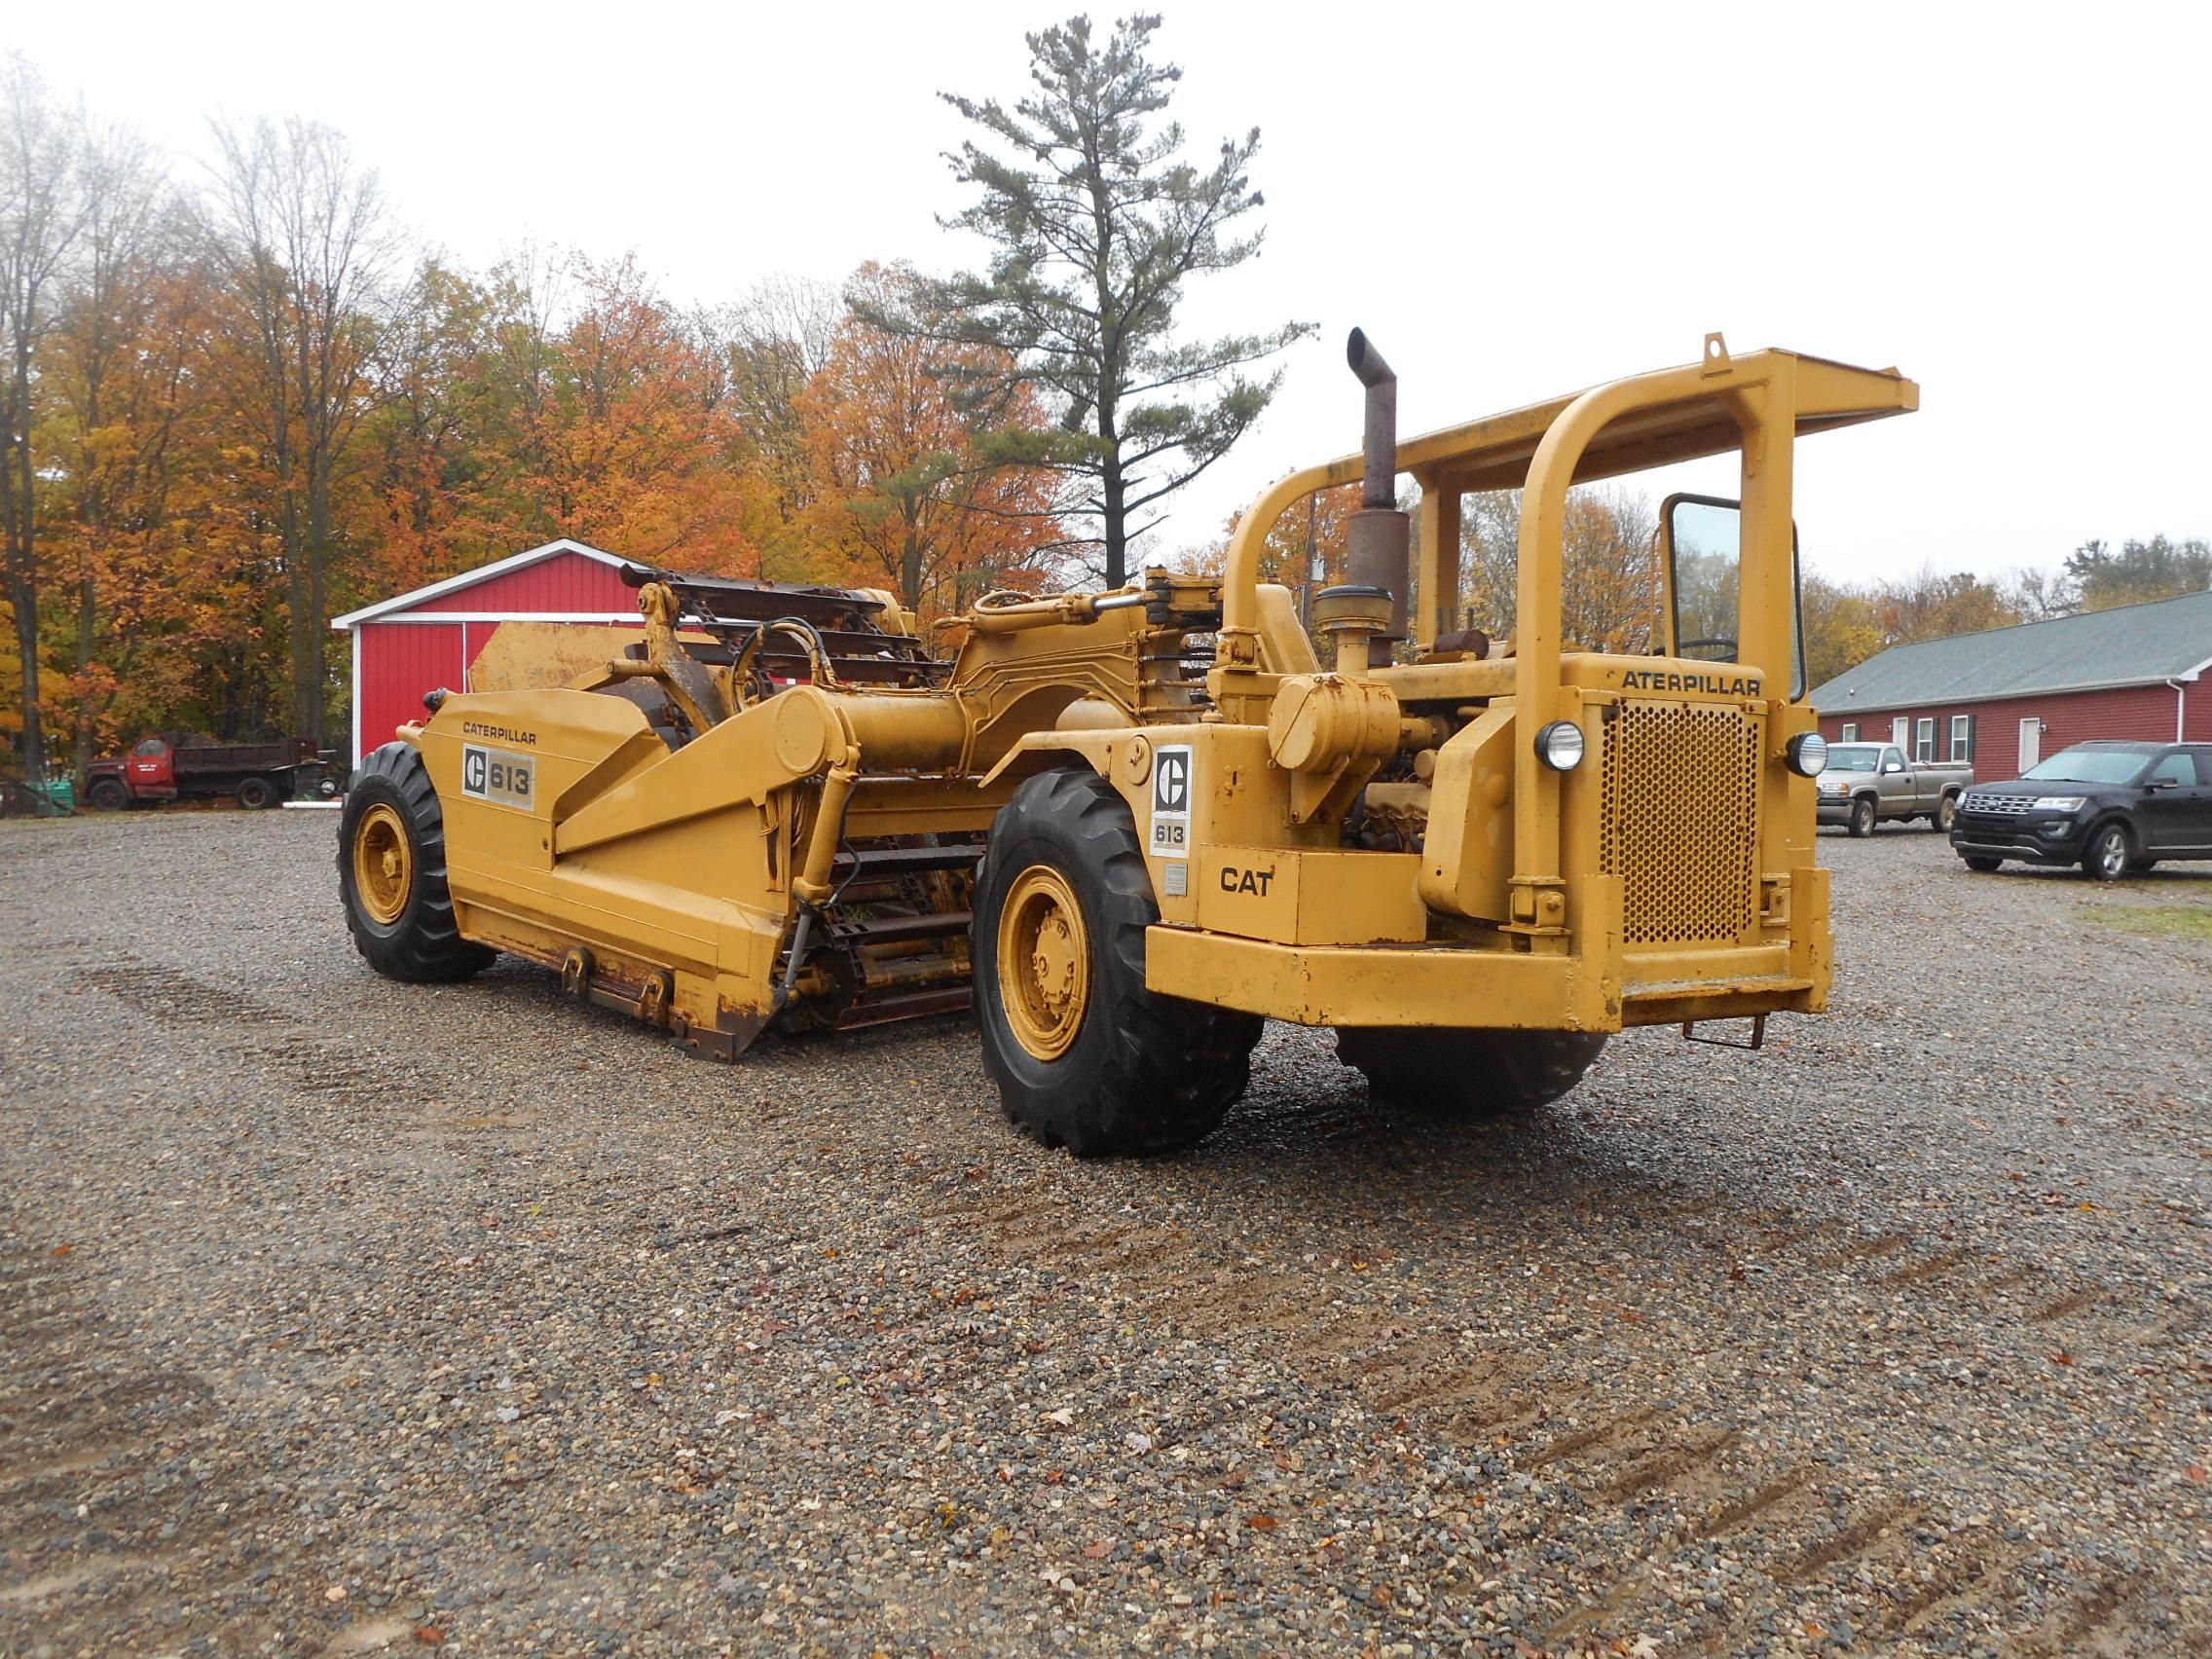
(2011, 697)
(421, 641)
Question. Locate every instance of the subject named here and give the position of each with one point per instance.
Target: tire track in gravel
(146, 1451)
(1190, 1286)
(1620, 1453)
(303, 1057)
(109, 1465)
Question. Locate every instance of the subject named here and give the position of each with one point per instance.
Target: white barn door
(2031, 743)
(1901, 733)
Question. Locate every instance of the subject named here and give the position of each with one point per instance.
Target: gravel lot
(337, 1315)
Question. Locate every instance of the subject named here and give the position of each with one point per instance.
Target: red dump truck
(160, 768)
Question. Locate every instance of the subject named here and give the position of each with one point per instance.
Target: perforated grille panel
(1679, 819)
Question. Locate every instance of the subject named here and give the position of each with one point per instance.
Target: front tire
(391, 874)
(1481, 1074)
(1861, 819)
(107, 795)
(2112, 849)
(1084, 1055)
(1981, 866)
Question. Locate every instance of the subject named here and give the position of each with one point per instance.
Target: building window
(1924, 738)
(1962, 737)
(1850, 732)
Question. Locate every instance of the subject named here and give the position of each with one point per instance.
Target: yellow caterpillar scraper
(1473, 860)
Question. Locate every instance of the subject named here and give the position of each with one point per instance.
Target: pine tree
(1098, 222)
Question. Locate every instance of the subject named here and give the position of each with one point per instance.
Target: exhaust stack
(1382, 537)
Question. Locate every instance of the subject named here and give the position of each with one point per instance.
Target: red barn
(2013, 696)
(418, 642)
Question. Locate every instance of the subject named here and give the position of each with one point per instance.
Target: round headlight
(1807, 755)
(1560, 746)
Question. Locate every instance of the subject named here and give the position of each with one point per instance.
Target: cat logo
(495, 775)
(1172, 781)
(1253, 881)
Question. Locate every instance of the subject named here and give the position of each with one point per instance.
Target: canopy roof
(1495, 452)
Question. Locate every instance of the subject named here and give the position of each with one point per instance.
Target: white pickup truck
(1866, 783)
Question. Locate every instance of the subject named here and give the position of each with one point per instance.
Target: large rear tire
(255, 794)
(1945, 815)
(1082, 1055)
(1481, 1073)
(391, 874)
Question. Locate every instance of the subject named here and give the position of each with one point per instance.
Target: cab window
(150, 748)
(2177, 768)
(1704, 565)
(1893, 756)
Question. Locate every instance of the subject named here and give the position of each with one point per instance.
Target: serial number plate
(497, 776)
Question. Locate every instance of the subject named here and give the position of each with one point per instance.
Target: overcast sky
(2009, 204)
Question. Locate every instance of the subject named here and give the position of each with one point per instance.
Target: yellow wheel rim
(1044, 962)
(383, 863)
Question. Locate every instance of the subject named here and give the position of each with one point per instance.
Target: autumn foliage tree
(1610, 578)
(904, 496)
(236, 413)
(298, 234)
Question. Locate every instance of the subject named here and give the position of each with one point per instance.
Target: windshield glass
(2091, 766)
(1860, 758)
(1704, 544)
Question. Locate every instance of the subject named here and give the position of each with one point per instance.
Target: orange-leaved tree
(631, 427)
(903, 496)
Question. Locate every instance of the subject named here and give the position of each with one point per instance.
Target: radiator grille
(1679, 820)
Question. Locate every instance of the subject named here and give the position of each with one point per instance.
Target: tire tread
(1170, 1069)
(426, 945)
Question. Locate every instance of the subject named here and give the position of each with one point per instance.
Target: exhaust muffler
(1380, 540)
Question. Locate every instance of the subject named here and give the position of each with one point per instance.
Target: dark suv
(2114, 808)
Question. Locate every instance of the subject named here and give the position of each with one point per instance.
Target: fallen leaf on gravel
(1065, 1416)
(2063, 1357)
(63, 1249)
(1261, 1522)
(429, 1636)
(723, 1419)
(1098, 1551)
(336, 1592)
(2195, 1473)
(1140, 1444)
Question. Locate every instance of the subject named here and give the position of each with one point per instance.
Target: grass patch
(2157, 921)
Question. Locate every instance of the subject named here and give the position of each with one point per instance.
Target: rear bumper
(1455, 985)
